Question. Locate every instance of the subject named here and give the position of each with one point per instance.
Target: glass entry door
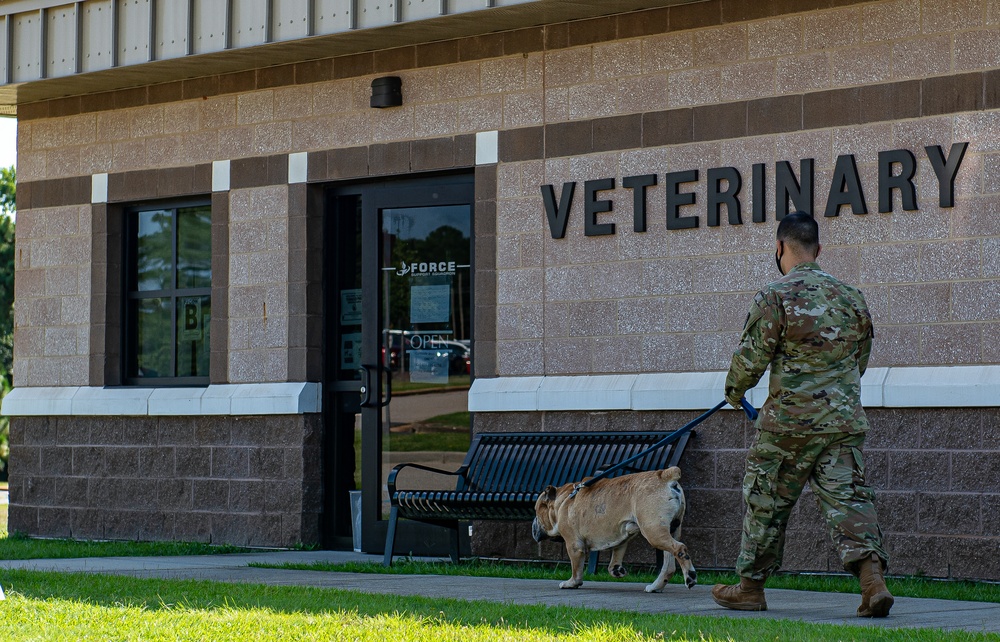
(401, 336)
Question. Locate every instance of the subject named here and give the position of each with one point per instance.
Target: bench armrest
(391, 482)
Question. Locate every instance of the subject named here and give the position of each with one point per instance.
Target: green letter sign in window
(168, 295)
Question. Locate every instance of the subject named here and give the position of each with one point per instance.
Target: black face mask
(777, 260)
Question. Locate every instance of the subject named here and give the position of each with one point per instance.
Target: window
(168, 288)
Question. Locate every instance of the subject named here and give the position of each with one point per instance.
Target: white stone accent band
(913, 387)
(226, 399)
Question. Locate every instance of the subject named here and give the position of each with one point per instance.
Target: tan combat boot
(876, 600)
(748, 595)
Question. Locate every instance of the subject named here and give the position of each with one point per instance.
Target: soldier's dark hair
(799, 228)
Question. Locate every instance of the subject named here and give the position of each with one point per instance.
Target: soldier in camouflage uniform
(815, 333)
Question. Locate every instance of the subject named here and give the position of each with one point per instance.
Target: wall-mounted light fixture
(387, 92)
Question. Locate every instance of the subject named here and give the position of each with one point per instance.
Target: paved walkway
(824, 608)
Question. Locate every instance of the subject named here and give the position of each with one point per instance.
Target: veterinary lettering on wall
(896, 171)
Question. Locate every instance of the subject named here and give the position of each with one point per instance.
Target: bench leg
(390, 536)
(592, 564)
(454, 542)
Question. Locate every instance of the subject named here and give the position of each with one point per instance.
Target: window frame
(131, 294)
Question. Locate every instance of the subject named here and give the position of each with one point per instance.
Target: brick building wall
(697, 86)
(937, 492)
(244, 481)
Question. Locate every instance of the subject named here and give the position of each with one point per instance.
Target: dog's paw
(618, 571)
(570, 584)
(654, 588)
(691, 578)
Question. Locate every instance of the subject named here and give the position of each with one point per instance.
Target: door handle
(366, 386)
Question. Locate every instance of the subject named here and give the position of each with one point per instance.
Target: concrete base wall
(224, 480)
(934, 473)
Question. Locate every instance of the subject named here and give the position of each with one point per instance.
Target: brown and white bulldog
(609, 513)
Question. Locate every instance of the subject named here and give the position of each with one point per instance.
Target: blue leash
(672, 437)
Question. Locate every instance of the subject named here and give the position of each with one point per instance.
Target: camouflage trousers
(777, 470)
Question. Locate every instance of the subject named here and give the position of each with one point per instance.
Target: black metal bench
(503, 474)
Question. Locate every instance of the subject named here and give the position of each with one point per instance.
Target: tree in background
(7, 208)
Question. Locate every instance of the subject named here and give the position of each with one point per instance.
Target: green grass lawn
(53, 606)
(26, 548)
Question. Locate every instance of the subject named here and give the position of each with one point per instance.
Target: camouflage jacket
(816, 335)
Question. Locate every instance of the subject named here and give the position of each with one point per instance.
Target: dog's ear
(549, 493)
(672, 473)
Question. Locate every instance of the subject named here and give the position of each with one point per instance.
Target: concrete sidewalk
(821, 608)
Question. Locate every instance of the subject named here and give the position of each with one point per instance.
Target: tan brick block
(922, 303)
(218, 112)
(146, 121)
(977, 49)
(49, 134)
(696, 313)
(643, 93)
(268, 332)
(520, 358)
(163, 152)
(502, 75)
(534, 70)
(817, 145)
(128, 156)
(616, 354)
(522, 109)
(916, 134)
(61, 163)
(31, 166)
(864, 141)
(110, 126)
(775, 37)
(720, 45)
(434, 120)
(75, 371)
(482, 113)
(861, 66)
(273, 138)
(617, 59)
(313, 133)
(668, 353)
(921, 57)
(181, 117)
(81, 130)
(694, 87)
(593, 100)
(569, 67)
(951, 344)
(331, 97)
(457, 81)
(992, 12)
(882, 21)
(94, 159)
(831, 29)
(668, 52)
(253, 366)
(255, 107)
(748, 80)
(556, 104)
(351, 129)
(293, 102)
(393, 124)
(236, 142)
(951, 15)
